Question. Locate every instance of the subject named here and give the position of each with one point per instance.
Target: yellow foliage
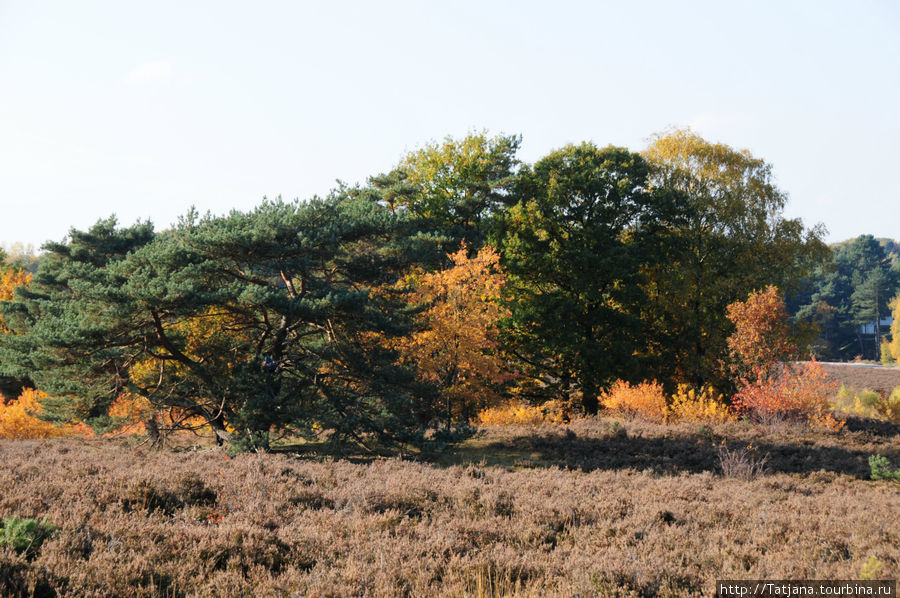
(9, 280)
(516, 413)
(893, 348)
(19, 419)
(860, 404)
(132, 411)
(647, 400)
(457, 347)
(206, 337)
(704, 406)
(889, 407)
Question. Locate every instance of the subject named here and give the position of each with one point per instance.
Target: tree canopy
(384, 311)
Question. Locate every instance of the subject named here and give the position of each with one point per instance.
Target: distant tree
(891, 349)
(853, 288)
(734, 238)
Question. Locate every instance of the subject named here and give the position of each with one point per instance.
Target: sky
(144, 109)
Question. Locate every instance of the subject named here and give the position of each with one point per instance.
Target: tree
(575, 246)
(734, 237)
(455, 187)
(891, 350)
(762, 338)
(457, 347)
(853, 288)
(255, 321)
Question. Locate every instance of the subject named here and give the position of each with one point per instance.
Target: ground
(864, 375)
(602, 507)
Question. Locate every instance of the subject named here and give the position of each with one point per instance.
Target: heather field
(601, 507)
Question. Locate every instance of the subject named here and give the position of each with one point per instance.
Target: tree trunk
(152, 431)
(589, 399)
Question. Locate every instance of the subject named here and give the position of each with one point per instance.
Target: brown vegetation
(601, 507)
(880, 379)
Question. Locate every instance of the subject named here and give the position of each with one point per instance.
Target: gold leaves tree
(456, 346)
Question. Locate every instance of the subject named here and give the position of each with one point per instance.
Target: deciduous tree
(576, 245)
(456, 348)
(734, 237)
(762, 338)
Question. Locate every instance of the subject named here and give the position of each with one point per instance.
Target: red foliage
(798, 392)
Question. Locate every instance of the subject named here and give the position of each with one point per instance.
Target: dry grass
(595, 508)
(881, 380)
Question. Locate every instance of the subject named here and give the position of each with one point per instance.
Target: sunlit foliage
(456, 347)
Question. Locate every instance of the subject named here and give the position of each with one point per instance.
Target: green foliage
(288, 290)
(250, 441)
(853, 289)
(734, 238)
(25, 536)
(870, 568)
(575, 246)
(455, 186)
(881, 469)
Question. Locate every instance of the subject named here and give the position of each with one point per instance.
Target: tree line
(386, 312)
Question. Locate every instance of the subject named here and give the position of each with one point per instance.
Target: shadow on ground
(634, 445)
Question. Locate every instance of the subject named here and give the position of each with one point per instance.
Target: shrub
(20, 419)
(889, 407)
(740, 463)
(887, 356)
(799, 393)
(762, 338)
(870, 568)
(861, 403)
(555, 412)
(646, 400)
(689, 404)
(25, 536)
(881, 469)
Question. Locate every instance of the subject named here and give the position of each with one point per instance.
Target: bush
(889, 407)
(861, 403)
(704, 405)
(25, 536)
(555, 412)
(740, 463)
(646, 400)
(887, 356)
(20, 419)
(881, 469)
(796, 393)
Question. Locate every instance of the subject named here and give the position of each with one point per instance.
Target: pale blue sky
(142, 109)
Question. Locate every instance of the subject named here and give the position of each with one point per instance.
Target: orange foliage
(761, 338)
(647, 400)
(457, 348)
(515, 413)
(19, 419)
(133, 411)
(9, 280)
(799, 392)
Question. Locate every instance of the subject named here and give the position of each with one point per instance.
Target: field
(602, 507)
(863, 375)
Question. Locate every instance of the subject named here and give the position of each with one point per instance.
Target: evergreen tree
(251, 321)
